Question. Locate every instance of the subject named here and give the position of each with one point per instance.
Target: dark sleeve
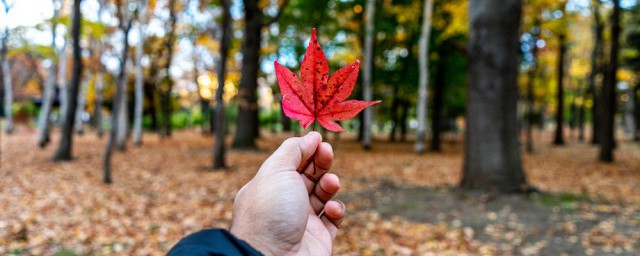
(209, 242)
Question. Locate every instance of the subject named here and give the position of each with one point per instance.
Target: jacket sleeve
(211, 242)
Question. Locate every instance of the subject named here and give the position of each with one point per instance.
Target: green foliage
(562, 200)
(67, 252)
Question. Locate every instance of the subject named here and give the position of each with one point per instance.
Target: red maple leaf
(316, 98)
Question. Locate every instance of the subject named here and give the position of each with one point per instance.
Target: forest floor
(399, 203)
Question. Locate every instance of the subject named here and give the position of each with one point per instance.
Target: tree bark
(636, 93)
(423, 88)
(219, 146)
(394, 113)
(438, 102)
(530, 86)
(247, 123)
(64, 151)
(62, 79)
(367, 72)
(167, 83)
(117, 103)
(6, 75)
(581, 112)
(596, 68)
(98, 88)
(559, 135)
(607, 139)
(492, 153)
(79, 124)
(49, 86)
(403, 121)
(139, 90)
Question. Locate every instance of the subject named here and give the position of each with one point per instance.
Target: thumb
(294, 154)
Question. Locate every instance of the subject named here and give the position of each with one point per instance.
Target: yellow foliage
(625, 75)
(208, 42)
(459, 21)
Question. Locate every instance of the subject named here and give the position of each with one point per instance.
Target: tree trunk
(438, 102)
(581, 112)
(123, 110)
(98, 101)
(139, 91)
(492, 154)
(607, 139)
(394, 114)
(62, 79)
(596, 68)
(6, 75)
(79, 124)
(49, 86)
(530, 85)
(64, 151)
(423, 88)
(630, 113)
(6, 80)
(99, 85)
(636, 93)
(403, 121)
(247, 122)
(367, 72)
(167, 83)
(117, 103)
(150, 94)
(219, 146)
(286, 121)
(559, 135)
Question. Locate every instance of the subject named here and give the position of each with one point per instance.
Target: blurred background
(505, 128)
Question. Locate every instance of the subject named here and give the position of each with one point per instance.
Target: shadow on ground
(544, 224)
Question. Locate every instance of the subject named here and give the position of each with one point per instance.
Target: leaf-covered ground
(398, 203)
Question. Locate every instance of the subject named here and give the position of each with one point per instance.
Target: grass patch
(562, 200)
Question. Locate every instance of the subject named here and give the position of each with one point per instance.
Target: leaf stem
(313, 128)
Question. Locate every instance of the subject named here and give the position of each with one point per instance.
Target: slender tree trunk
(581, 112)
(79, 124)
(49, 86)
(423, 88)
(99, 85)
(438, 102)
(117, 104)
(62, 79)
(139, 91)
(8, 88)
(247, 122)
(167, 84)
(596, 68)
(394, 113)
(492, 153)
(151, 95)
(64, 151)
(530, 85)
(286, 121)
(630, 113)
(367, 72)
(636, 93)
(403, 121)
(559, 135)
(607, 138)
(219, 146)
(6, 75)
(98, 101)
(123, 110)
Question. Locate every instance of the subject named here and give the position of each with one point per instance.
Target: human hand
(277, 211)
